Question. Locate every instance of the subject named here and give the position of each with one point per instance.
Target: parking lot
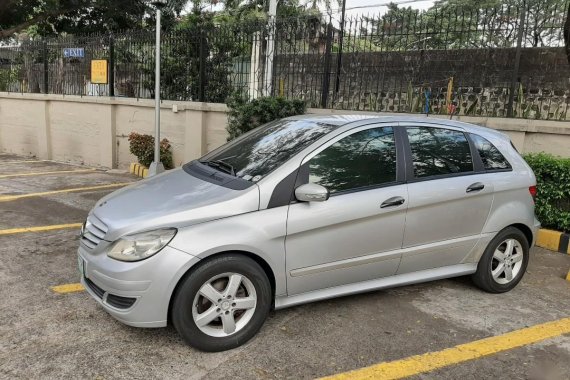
(46, 334)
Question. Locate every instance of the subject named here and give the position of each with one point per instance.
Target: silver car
(304, 209)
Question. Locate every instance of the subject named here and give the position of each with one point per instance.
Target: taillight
(532, 191)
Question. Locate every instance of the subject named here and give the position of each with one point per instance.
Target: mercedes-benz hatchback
(304, 209)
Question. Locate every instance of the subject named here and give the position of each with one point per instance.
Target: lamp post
(156, 166)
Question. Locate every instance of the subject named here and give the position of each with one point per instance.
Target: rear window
(490, 155)
(254, 156)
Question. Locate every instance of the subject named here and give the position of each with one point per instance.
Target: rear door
(356, 234)
(450, 197)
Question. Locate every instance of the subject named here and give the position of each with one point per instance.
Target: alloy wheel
(224, 304)
(507, 261)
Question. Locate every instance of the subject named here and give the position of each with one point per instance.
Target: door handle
(477, 186)
(391, 202)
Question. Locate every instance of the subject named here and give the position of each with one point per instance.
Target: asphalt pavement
(49, 335)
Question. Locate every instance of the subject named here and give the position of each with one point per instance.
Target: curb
(138, 170)
(553, 240)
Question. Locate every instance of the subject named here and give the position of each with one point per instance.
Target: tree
(567, 34)
(49, 17)
(468, 24)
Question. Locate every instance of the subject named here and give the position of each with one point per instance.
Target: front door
(356, 234)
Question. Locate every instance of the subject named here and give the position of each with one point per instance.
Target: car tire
(206, 303)
(509, 249)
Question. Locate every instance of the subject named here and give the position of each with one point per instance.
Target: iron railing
(503, 61)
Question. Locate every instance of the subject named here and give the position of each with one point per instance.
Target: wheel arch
(526, 231)
(258, 259)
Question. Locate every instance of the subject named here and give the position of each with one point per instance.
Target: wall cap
(165, 104)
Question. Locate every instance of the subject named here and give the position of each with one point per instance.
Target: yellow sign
(99, 71)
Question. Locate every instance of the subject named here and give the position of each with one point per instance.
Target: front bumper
(135, 293)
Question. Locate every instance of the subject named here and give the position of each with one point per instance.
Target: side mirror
(311, 192)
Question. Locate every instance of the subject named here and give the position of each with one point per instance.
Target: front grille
(93, 232)
(120, 302)
(97, 290)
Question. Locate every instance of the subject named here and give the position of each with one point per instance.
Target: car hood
(172, 199)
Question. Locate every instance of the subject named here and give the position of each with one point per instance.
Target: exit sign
(74, 53)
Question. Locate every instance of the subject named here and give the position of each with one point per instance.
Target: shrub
(142, 146)
(246, 115)
(7, 78)
(553, 196)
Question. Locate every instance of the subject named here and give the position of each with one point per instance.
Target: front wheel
(504, 262)
(222, 303)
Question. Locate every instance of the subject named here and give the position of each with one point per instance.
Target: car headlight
(141, 246)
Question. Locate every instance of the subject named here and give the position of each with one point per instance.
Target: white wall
(93, 130)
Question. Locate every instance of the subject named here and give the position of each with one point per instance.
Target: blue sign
(74, 53)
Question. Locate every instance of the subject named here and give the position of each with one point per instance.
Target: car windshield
(266, 148)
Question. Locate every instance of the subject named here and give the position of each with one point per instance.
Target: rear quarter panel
(512, 202)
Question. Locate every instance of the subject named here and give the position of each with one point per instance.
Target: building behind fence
(506, 61)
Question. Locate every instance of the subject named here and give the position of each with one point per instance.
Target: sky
(360, 7)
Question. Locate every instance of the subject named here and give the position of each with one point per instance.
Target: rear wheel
(504, 262)
(222, 303)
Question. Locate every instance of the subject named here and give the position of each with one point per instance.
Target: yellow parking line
(13, 231)
(68, 288)
(415, 365)
(5, 198)
(45, 173)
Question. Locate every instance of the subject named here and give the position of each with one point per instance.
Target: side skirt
(381, 283)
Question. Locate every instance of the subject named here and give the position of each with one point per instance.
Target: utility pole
(270, 52)
(156, 167)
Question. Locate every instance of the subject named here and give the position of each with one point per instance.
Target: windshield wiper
(221, 166)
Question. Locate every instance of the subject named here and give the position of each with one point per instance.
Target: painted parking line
(45, 173)
(68, 288)
(5, 198)
(13, 231)
(418, 364)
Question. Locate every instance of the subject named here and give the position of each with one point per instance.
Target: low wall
(93, 131)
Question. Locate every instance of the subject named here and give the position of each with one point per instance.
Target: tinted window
(491, 157)
(365, 158)
(268, 147)
(437, 151)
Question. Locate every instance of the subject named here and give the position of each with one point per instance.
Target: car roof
(345, 119)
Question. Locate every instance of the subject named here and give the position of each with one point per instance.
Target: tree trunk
(567, 34)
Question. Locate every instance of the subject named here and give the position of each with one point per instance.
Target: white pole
(270, 53)
(254, 60)
(156, 166)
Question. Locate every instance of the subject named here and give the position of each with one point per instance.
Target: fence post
(202, 77)
(46, 67)
(327, 68)
(510, 110)
(111, 65)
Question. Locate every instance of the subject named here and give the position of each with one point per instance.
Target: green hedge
(553, 196)
(245, 115)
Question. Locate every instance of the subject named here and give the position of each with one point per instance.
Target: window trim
(410, 176)
(400, 160)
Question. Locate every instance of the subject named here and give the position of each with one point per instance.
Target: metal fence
(504, 61)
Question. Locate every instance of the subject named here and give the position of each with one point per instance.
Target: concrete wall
(93, 131)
